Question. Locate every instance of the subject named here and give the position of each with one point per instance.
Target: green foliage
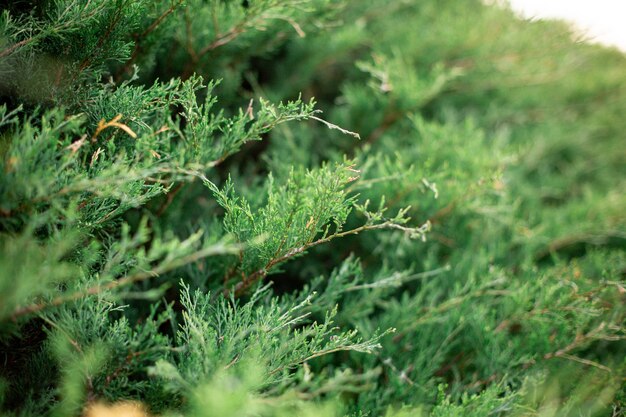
(447, 241)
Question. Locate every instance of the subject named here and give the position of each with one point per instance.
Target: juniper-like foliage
(312, 207)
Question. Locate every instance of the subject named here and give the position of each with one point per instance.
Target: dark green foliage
(182, 226)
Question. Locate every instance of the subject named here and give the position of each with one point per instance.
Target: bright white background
(602, 20)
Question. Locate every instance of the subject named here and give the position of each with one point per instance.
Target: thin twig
(335, 127)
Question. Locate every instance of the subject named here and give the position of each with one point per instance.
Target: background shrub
(274, 207)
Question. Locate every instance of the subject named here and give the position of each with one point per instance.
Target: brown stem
(169, 198)
(15, 46)
(388, 121)
(159, 20)
(87, 61)
(220, 40)
(127, 362)
(140, 37)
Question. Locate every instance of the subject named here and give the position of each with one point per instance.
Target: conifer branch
(139, 276)
(139, 38)
(252, 19)
(14, 47)
(86, 62)
(259, 274)
(159, 20)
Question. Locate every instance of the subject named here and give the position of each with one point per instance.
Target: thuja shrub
(271, 207)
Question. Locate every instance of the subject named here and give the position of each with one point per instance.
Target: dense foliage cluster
(271, 207)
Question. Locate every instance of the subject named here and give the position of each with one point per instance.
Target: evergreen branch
(220, 40)
(579, 341)
(141, 37)
(598, 238)
(428, 312)
(252, 19)
(397, 279)
(367, 346)
(159, 20)
(584, 361)
(53, 29)
(12, 48)
(218, 249)
(312, 356)
(251, 279)
(103, 38)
